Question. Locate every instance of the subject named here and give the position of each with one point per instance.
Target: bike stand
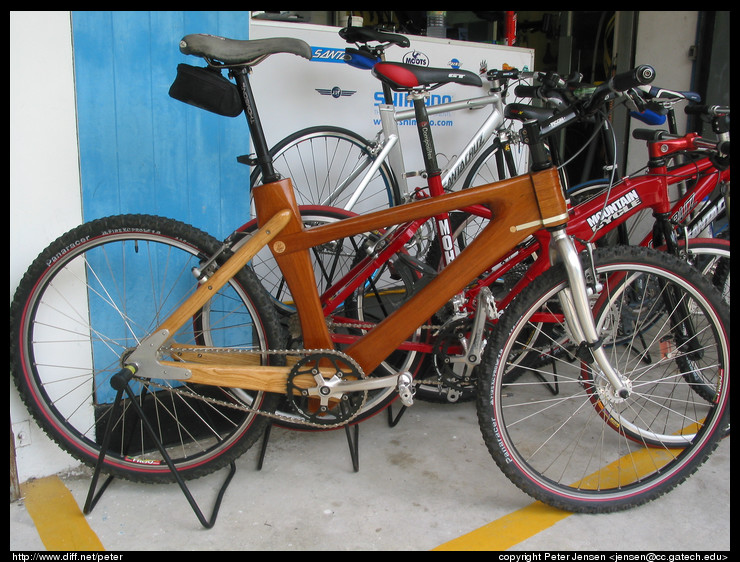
(352, 441)
(393, 422)
(554, 386)
(120, 382)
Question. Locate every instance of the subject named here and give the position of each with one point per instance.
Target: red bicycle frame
(588, 221)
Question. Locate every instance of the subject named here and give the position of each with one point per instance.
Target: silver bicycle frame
(493, 123)
(390, 147)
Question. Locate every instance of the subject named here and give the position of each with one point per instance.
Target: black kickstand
(393, 422)
(120, 382)
(354, 445)
(352, 441)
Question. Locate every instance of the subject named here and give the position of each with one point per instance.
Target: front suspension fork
(577, 309)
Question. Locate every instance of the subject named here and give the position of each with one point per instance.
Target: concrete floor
(420, 485)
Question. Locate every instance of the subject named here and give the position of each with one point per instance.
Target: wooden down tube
(520, 206)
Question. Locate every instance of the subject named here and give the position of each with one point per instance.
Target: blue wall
(140, 150)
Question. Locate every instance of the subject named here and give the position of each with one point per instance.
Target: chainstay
(243, 407)
(286, 352)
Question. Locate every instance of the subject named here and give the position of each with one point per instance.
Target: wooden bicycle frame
(520, 206)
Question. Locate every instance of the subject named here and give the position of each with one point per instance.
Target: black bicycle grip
(695, 109)
(650, 135)
(643, 74)
(525, 91)
(709, 110)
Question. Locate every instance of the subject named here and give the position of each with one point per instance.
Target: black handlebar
(534, 132)
(639, 76)
(652, 135)
(709, 110)
(583, 104)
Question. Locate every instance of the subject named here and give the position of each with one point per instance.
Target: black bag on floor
(207, 89)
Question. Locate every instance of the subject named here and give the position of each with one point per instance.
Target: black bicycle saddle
(241, 51)
(366, 34)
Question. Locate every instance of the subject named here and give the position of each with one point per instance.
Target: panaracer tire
(559, 432)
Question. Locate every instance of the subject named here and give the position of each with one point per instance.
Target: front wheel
(551, 420)
(88, 300)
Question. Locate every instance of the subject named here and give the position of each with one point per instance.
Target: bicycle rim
(711, 257)
(330, 261)
(326, 166)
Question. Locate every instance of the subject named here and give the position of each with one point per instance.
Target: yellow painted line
(629, 468)
(509, 530)
(59, 521)
(62, 526)
(535, 518)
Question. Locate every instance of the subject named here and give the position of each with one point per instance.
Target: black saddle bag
(207, 89)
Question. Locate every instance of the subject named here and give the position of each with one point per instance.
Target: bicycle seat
(367, 34)
(524, 112)
(241, 51)
(403, 77)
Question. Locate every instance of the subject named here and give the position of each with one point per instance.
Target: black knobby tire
(561, 434)
(78, 312)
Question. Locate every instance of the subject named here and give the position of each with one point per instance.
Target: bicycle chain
(361, 326)
(282, 352)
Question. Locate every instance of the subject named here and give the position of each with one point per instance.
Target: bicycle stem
(577, 310)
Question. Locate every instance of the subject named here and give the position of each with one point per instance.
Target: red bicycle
(599, 211)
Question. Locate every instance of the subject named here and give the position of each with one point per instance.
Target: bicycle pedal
(248, 159)
(406, 389)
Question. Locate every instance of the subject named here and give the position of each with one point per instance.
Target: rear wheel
(326, 166)
(88, 300)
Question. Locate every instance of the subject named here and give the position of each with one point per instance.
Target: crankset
(327, 402)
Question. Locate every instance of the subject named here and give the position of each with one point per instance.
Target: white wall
(663, 41)
(44, 181)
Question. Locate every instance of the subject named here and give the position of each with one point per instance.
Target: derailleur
(460, 345)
